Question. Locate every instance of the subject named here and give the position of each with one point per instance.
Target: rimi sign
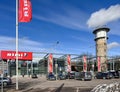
(12, 55)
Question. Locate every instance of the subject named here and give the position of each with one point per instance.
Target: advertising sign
(50, 63)
(84, 64)
(12, 55)
(99, 64)
(68, 63)
(25, 11)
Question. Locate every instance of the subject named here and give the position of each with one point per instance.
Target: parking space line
(77, 90)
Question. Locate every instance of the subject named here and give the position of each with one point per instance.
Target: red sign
(25, 11)
(12, 55)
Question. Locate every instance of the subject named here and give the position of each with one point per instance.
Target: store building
(8, 62)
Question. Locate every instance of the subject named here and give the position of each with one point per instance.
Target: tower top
(101, 29)
(101, 33)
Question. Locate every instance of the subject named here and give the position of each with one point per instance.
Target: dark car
(103, 75)
(118, 72)
(61, 76)
(51, 76)
(115, 74)
(83, 76)
(5, 81)
(70, 75)
(34, 76)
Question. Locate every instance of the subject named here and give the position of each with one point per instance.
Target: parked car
(118, 72)
(115, 74)
(5, 81)
(34, 76)
(83, 75)
(61, 76)
(70, 75)
(51, 76)
(103, 75)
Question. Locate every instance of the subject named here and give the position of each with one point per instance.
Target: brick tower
(101, 46)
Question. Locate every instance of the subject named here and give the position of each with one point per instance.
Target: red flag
(50, 66)
(69, 63)
(84, 64)
(25, 11)
(99, 64)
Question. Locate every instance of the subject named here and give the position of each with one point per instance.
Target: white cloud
(104, 16)
(25, 44)
(113, 45)
(8, 43)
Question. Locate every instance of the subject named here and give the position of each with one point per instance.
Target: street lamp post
(113, 65)
(2, 75)
(56, 66)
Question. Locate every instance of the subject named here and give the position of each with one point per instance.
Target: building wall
(3, 67)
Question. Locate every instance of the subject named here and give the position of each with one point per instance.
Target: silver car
(5, 81)
(83, 76)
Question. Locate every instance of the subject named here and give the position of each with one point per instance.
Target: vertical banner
(99, 64)
(68, 63)
(50, 63)
(84, 64)
(25, 11)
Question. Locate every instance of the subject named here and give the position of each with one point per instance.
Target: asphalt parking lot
(40, 84)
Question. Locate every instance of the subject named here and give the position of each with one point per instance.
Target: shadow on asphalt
(59, 88)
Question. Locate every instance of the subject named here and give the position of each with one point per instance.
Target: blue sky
(71, 22)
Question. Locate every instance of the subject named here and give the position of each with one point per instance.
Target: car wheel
(95, 77)
(4, 84)
(104, 78)
(83, 79)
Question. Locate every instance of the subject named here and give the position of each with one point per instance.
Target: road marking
(77, 90)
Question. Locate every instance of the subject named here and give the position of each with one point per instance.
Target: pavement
(40, 84)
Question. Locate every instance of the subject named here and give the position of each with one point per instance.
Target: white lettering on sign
(19, 54)
(8, 54)
(25, 3)
(25, 54)
(26, 14)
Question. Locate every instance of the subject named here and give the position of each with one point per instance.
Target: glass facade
(40, 66)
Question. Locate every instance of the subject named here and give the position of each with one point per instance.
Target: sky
(61, 26)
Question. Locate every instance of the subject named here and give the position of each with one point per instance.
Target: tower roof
(99, 29)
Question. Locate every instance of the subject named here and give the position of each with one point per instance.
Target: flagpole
(16, 44)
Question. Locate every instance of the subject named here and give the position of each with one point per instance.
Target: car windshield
(3, 78)
(72, 74)
(88, 73)
(60, 74)
(51, 75)
(105, 73)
